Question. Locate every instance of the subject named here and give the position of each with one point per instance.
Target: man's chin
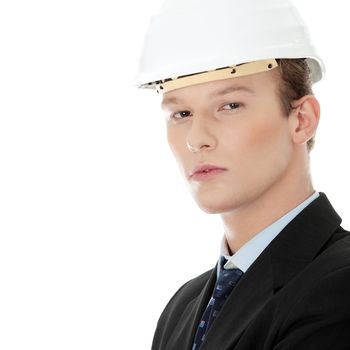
(215, 207)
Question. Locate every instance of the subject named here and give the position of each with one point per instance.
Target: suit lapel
(294, 248)
(184, 332)
(302, 240)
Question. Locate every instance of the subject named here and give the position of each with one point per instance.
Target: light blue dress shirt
(249, 252)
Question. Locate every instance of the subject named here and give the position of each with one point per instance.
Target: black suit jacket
(296, 295)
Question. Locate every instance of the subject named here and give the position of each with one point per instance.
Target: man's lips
(206, 168)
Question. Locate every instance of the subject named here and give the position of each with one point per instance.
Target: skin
(264, 152)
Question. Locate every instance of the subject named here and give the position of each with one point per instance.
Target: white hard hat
(192, 41)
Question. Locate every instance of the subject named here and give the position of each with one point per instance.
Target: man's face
(242, 130)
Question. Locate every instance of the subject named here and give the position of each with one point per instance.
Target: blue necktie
(223, 287)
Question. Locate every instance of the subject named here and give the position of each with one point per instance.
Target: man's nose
(200, 135)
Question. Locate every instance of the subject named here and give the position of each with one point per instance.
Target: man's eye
(233, 105)
(181, 115)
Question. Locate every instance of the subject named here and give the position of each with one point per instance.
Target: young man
(241, 120)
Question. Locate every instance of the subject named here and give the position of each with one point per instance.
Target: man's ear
(304, 119)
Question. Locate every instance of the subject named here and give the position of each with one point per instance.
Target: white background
(97, 228)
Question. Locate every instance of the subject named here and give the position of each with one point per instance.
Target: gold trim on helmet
(235, 71)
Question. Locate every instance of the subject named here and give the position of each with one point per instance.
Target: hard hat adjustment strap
(235, 71)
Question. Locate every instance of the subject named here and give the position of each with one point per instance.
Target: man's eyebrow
(231, 89)
(226, 90)
(171, 100)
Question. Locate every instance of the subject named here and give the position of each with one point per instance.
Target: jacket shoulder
(313, 310)
(336, 252)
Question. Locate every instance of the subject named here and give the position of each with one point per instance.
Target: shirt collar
(249, 252)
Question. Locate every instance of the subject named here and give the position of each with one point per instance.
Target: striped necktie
(223, 287)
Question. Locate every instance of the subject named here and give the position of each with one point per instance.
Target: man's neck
(243, 223)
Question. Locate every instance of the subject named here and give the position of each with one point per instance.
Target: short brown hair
(295, 82)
